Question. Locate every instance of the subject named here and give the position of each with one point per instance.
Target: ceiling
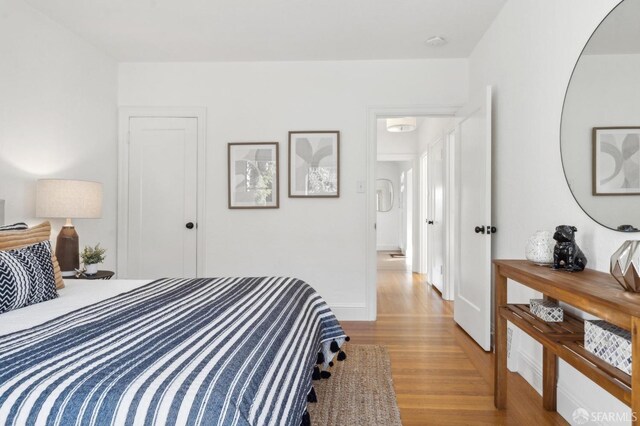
(274, 30)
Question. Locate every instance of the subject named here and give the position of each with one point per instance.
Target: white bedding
(75, 294)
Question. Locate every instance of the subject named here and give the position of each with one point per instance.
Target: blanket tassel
(316, 374)
(312, 395)
(306, 419)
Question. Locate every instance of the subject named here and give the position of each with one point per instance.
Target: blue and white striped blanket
(225, 351)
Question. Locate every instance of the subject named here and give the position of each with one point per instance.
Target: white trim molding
(531, 371)
(125, 113)
(349, 311)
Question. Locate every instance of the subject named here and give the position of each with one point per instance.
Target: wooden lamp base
(68, 250)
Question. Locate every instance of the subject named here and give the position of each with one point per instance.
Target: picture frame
(314, 164)
(253, 180)
(616, 161)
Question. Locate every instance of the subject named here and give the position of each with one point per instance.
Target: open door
(472, 306)
(435, 220)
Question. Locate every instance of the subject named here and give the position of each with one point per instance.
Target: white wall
(319, 240)
(58, 118)
(604, 92)
(402, 147)
(389, 224)
(528, 55)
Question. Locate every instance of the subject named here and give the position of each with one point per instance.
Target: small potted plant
(91, 257)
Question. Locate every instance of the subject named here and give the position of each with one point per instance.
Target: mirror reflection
(384, 195)
(600, 134)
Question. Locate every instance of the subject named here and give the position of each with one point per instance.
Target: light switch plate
(361, 187)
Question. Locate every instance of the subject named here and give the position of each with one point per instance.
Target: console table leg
(549, 379)
(500, 372)
(635, 371)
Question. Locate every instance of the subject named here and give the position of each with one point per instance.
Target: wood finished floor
(441, 377)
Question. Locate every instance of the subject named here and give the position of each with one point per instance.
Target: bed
(227, 351)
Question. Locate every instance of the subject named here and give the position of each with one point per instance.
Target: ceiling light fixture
(436, 41)
(404, 124)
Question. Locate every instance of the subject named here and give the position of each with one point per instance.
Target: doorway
(394, 211)
(377, 150)
(161, 193)
(467, 252)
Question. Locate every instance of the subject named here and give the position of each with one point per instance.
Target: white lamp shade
(73, 199)
(404, 124)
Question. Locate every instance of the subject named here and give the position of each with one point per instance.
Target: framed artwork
(314, 164)
(253, 175)
(616, 161)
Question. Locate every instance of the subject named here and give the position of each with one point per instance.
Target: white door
(435, 220)
(409, 215)
(425, 205)
(162, 197)
(472, 309)
(402, 204)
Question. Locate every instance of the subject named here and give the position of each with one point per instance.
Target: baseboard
(530, 370)
(567, 403)
(387, 248)
(350, 311)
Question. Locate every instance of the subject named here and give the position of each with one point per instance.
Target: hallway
(440, 375)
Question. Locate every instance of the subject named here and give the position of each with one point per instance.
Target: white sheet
(75, 294)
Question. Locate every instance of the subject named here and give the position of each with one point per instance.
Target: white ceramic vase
(539, 248)
(91, 269)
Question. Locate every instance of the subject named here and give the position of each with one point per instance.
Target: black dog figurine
(567, 255)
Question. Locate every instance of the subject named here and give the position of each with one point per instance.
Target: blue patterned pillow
(26, 276)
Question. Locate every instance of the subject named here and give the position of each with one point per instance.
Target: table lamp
(68, 199)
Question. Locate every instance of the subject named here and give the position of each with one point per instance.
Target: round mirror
(384, 195)
(600, 130)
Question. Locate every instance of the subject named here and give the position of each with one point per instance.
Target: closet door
(162, 198)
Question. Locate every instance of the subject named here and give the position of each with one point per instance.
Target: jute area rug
(359, 391)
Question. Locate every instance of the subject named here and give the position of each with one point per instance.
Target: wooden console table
(591, 291)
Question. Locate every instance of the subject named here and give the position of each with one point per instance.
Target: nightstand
(101, 275)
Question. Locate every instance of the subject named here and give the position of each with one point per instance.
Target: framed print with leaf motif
(616, 161)
(314, 164)
(253, 175)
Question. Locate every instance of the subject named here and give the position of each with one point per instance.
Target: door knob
(480, 229)
(429, 222)
(189, 225)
